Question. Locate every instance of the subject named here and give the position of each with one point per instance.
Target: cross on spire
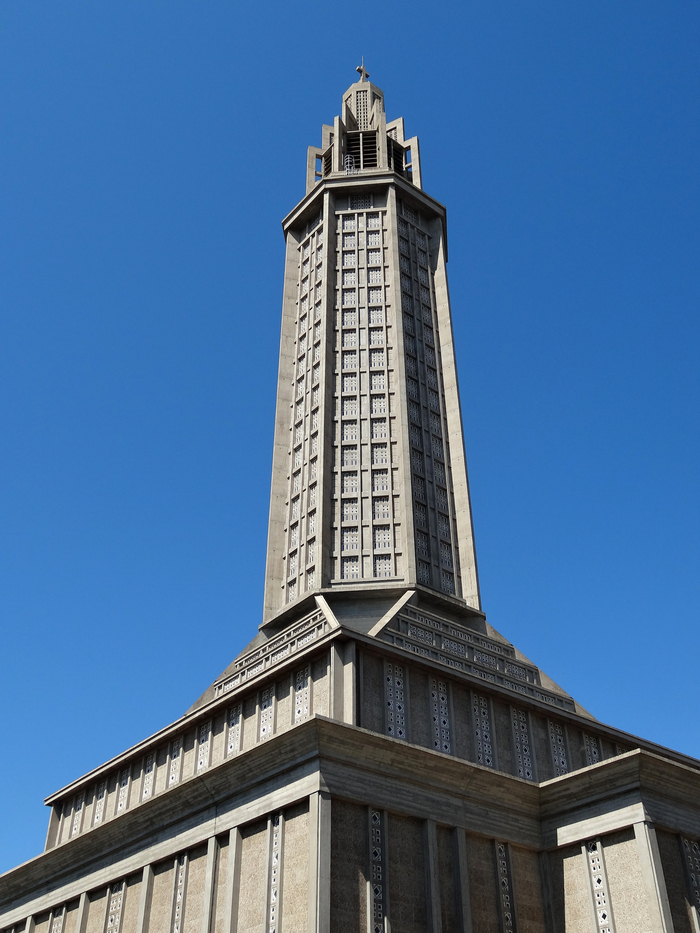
(364, 74)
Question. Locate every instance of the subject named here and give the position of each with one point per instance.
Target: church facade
(379, 759)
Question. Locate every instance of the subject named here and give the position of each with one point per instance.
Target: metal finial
(364, 74)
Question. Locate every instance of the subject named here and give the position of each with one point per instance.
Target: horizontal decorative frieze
(275, 651)
(493, 671)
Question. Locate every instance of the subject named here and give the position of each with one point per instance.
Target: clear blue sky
(148, 153)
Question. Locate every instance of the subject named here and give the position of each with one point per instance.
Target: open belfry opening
(379, 758)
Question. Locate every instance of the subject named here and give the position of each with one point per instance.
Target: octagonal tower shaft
(369, 480)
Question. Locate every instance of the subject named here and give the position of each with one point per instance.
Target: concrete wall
(463, 724)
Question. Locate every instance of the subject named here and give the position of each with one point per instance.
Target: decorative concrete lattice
(175, 762)
(301, 695)
(377, 873)
(557, 742)
(180, 883)
(599, 886)
(506, 888)
(523, 744)
(383, 555)
(592, 746)
(57, 920)
(100, 802)
(123, 798)
(233, 743)
(78, 814)
(307, 376)
(148, 772)
(441, 716)
(482, 731)
(691, 854)
(204, 746)
(114, 910)
(275, 871)
(395, 700)
(266, 699)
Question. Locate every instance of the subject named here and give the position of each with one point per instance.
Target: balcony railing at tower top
(361, 152)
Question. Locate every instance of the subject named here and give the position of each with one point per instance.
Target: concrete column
(232, 881)
(349, 684)
(338, 139)
(546, 891)
(81, 919)
(433, 880)
(335, 693)
(465, 907)
(52, 833)
(209, 883)
(654, 881)
(319, 863)
(311, 155)
(144, 901)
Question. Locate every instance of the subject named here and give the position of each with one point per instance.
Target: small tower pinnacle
(364, 74)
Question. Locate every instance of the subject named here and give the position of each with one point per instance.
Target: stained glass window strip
(599, 886)
(482, 731)
(506, 888)
(114, 908)
(181, 879)
(301, 695)
(395, 700)
(557, 741)
(233, 739)
(522, 743)
(267, 696)
(203, 746)
(377, 871)
(441, 716)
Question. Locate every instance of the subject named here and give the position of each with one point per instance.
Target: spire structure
(369, 485)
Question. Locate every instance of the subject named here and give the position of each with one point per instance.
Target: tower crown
(361, 142)
(363, 102)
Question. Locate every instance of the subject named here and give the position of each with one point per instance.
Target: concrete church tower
(378, 759)
(369, 479)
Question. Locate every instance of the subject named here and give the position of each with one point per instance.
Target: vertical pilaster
(546, 891)
(433, 881)
(319, 911)
(209, 883)
(81, 919)
(52, 834)
(233, 875)
(349, 684)
(144, 913)
(465, 908)
(336, 696)
(654, 881)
